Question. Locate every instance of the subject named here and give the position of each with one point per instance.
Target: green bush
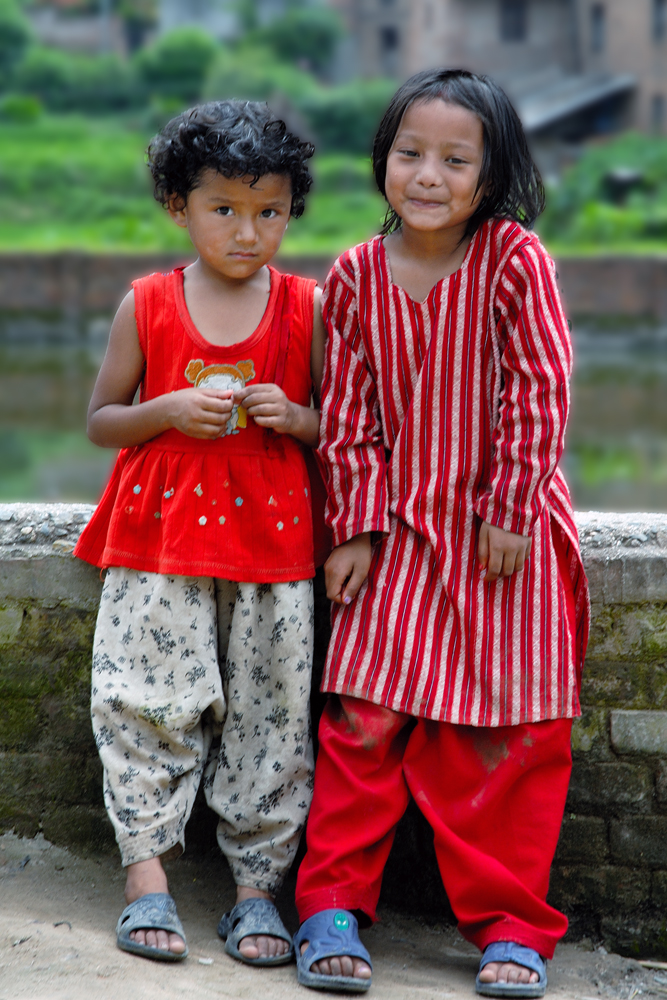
(344, 119)
(251, 73)
(20, 108)
(586, 210)
(303, 33)
(15, 36)
(69, 81)
(177, 64)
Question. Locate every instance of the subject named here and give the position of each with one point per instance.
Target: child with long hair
(460, 602)
(203, 647)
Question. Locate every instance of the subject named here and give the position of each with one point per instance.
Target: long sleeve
(536, 362)
(351, 443)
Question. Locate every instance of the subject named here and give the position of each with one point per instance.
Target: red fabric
(435, 415)
(238, 507)
(494, 798)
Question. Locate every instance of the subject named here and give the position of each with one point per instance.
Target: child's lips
(422, 203)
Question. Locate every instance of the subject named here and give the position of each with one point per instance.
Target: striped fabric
(436, 414)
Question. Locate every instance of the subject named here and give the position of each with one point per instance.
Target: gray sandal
(156, 911)
(249, 918)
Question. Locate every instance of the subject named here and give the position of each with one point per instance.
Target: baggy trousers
(203, 680)
(493, 796)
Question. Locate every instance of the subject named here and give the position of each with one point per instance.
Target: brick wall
(610, 872)
(71, 296)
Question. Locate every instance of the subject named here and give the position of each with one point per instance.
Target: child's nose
(246, 232)
(429, 172)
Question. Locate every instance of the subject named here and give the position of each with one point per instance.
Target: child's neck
(419, 260)
(225, 310)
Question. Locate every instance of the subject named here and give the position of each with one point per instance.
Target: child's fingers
(353, 585)
(483, 544)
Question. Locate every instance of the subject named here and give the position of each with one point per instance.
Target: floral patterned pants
(197, 678)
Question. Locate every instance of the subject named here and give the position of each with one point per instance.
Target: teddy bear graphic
(223, 377)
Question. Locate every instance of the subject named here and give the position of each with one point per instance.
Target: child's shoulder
(510, 241)
(351, 265)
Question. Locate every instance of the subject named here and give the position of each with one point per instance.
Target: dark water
(616, 455)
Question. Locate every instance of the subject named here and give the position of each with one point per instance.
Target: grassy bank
(68, 182)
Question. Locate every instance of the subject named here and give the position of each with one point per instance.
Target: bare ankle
(145, 877)
(249, 892)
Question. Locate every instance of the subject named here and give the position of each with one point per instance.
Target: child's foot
(507, 972)
(259, 945)
(142, 878)
(340, 965)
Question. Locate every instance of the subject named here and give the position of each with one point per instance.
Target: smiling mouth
(421, 203)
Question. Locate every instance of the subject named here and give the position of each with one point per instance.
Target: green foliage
(74, 183)
(177, 64)
(20, 108)
(69, 81)
(584, 210)
(15, 36)
(303, 33)
(255, 74)
(345, 118)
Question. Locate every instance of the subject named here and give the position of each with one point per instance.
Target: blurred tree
(177, 64)
(15, 36)
(74, 82)
(303, 35)
(253, 73)
(345, 118)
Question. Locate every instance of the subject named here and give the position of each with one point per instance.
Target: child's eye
(408, 152)
(224, 210)
(456, 160)
(268, 213)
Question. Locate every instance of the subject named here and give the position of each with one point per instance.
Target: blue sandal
(156, 911)
(509, 951)
(330, 933)
(251, 917)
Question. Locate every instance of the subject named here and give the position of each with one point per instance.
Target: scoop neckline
(423, 302)
(225, 349)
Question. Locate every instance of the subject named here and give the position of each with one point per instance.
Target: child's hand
(268, 405)
(200, 413)
(501, 553)
(347, 567)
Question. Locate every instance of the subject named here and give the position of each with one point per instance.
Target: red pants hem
(340, 899)
(493, 797)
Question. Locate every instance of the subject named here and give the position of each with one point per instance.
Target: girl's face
(433, 166)
(236, 227)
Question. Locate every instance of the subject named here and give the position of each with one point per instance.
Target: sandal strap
(250, 917)
(154, 911)
(510, 951)
(330, 933)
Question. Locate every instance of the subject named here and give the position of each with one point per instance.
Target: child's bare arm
(113, 422)
(501, 553)
(347, 567)
(268, 405)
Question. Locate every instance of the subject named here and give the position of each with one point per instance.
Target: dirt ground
(57, 942)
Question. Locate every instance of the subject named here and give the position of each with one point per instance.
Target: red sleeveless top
(238, 507)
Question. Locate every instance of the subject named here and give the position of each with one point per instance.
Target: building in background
(575, 68)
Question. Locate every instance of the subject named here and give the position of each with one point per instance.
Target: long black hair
(236, 138)
(508, 176)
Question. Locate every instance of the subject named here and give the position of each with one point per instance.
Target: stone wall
(610, 873)
(71, 296)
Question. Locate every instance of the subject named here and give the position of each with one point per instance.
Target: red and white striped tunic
(436, 414)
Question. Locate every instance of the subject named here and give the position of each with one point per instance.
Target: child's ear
(176, 206)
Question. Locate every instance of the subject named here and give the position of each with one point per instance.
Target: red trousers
(494, 798)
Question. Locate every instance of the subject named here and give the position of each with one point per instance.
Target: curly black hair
(511, 182)
(236, 138)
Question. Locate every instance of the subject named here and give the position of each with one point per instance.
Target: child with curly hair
(203, 646)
